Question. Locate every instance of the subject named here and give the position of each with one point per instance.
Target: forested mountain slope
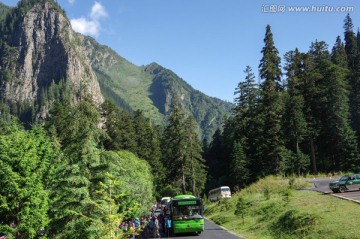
(151, 88)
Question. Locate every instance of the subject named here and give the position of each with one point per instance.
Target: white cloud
(71, 1)
(98, 11)
(91, 25)
(86, 27)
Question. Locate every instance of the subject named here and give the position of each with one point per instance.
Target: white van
(164, 201)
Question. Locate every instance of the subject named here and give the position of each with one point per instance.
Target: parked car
(345, 183)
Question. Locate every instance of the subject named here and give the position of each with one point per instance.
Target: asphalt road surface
(322, 185)
(212, 231)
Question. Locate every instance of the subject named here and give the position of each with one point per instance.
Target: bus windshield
(186, 209)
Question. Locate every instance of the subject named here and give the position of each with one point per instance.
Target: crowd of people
(150, 226)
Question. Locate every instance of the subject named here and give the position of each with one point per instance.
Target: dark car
(345, 183)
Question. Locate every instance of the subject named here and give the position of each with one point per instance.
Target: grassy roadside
(272, 208)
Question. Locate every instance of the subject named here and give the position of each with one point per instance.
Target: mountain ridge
(150, 88)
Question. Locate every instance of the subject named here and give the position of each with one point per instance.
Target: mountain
(39, 51)
(151, 88)
(38, 48)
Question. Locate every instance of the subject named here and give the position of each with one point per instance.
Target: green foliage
(272, 105)
(181, 152)
(220, 220)
(286, 194)
(307, 123)
(82, 204)
(267, 193)
(107, 198)
(170, 191)
(295, 224)
(24, 159)
(268, 211)
(240, 208)
(338, 54)
(350, 41)
(239, 172)
(120, 128)
(135, 179)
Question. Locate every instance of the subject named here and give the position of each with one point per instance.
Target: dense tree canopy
(306, 120)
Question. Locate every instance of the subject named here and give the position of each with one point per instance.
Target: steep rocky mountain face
(39, 48)
(151, 89)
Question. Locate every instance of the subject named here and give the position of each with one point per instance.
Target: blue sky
(208, 43)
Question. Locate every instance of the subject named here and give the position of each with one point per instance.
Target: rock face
(41, 50)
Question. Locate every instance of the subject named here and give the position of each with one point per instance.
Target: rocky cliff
(39, 48)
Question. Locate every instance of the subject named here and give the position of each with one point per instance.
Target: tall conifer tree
(295, 124)
(338, 53)
(272, 104)
(350, 41)
(73, 204)
(239, 173)
(174, 146)
(194, 159)
(148, 147)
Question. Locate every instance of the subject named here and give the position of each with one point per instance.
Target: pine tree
(72, 195)
(174, 146)
(338, 140)
(148, 147)
(239, 173)
(246, 103)
(194, 159)
(248, 121)
(120, 129)
(338, 54)
(317, 54)
(272, 105)
(214, 160)
(350, 41)
(355, 97)
(295, 125)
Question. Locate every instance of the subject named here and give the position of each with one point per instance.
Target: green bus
(186, 214)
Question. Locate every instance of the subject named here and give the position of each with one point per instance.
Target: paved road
(212, 231)
(322, 185)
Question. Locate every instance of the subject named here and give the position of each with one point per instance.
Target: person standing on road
(156, 229)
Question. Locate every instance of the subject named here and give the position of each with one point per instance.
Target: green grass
(272, 209)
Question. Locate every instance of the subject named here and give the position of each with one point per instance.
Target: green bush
(294, 223)
(220, 220)
(269, 210)
(225, 204)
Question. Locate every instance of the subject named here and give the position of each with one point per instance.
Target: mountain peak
(154, 68)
